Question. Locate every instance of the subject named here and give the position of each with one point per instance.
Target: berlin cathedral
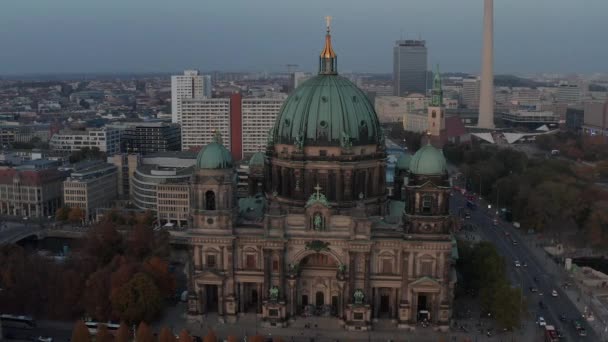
(319, 233)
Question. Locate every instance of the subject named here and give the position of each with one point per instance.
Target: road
(534, 275)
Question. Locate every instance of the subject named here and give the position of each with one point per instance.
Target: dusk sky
(57, 36)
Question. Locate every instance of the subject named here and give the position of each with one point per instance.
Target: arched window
(434, 114)
(210, 200)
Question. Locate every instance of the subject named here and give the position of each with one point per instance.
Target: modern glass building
(410, 67)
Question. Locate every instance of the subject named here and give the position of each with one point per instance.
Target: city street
(532, 273)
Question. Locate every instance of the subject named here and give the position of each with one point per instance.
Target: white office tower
(470, 92)
(259, 115)
(486, 94)
(200, 119)
(186, 86)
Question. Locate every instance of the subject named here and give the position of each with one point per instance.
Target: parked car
(554, 293)
(541, 321)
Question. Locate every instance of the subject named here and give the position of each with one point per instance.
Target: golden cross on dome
(318, 188)
(328, 22)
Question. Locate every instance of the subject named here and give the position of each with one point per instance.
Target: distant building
(190, 85)
(201, 117)
(258, 117)
(531, 118)
(410, 70)
(149, 137)
(596, 119)
(394, 108)
(105, 139)
(470, 92)
(91, 186)
(244, 123)
(11, 133)
(31, 190)
(568, 93)
(126, 164)
(207, 86)
(575, 118)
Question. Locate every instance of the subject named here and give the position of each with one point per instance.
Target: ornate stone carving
(358, 296)
(317, 246)
(273, 294)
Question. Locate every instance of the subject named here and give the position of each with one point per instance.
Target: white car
(541, 322)
(45, 339)
(517, 264)
(554, 293)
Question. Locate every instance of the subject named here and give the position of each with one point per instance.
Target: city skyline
(109, 37)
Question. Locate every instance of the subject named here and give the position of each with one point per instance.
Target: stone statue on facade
(345, 142)
(273, 293)
(299, 142)
(358, 296)
(318, 222)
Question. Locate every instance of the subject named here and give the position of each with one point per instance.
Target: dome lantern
(214, 155)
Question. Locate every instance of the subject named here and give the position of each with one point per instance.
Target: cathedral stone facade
(314, 236)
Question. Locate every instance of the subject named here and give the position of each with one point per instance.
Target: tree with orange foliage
(210, 337)
(255, 338)
(103, 335)
(232, 338)
(76, 215)
(277, 339)
(166, 335)
(81, 332)
(184, 336)
(158, 269)
(144, 334)
(123, 334)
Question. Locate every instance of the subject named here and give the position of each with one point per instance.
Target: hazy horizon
(154, 36)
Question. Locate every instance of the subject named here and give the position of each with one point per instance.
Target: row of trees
(483, 271)
(553, 196)
(67, 214)
(109, 276)
(80, 333)
(574, 146)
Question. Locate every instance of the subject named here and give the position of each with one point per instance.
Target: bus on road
(21, 322)
(94, 326)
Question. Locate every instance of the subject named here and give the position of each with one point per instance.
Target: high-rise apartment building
(244, 123)
(201, 117)
(410, 67)
(207, 86)
(258, 117)
(190, 85)
(470, 92)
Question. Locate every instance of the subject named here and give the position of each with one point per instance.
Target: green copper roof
(437, 92)
(214, 155)
(325, 109)
(428, 161)
(257, 159)
(403, 163)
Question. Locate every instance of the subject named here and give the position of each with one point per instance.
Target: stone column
(267, 280)
(259, 288)
(367, 274)
(375, 300)
(204, 298)
(222, 256)
(405, 269)
(351, 277)
(220, 299)
(197, 257)
(348, 189)
(394, 302)
(292, 297)
(241, 297)
(341, 299)
(414, 306)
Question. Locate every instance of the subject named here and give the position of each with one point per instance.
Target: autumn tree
(140, 241)
(138, 300)
(210, 337)
(96, 295)
(123, 334)
(232, 338)
(76, 215)
(80, 332)
(62, 214)
(184, 336)
(596, 226)
(158, 269)
(144, 334)
(255, 338)
(166, 335)
(103, 334)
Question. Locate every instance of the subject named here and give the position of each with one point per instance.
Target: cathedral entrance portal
(423, 308)
(211, 298)
(319, 299)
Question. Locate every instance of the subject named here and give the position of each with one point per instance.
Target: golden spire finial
(328, 51)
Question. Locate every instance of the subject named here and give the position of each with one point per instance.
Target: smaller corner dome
(403, 163)
(257, 159)
(214, 156)
(428, 161)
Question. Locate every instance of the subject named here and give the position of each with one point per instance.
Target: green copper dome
(428, 161)
(323, 110)
(403, 163)
(257, 159)
(214, 155)
(327, 109)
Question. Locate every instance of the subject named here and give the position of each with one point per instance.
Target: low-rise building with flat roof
(91, 186)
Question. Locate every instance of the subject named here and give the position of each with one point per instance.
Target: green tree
(62, 214)
(81, 332)
(507, 306)
(596, 226)
(138, 300)
(144, 334)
